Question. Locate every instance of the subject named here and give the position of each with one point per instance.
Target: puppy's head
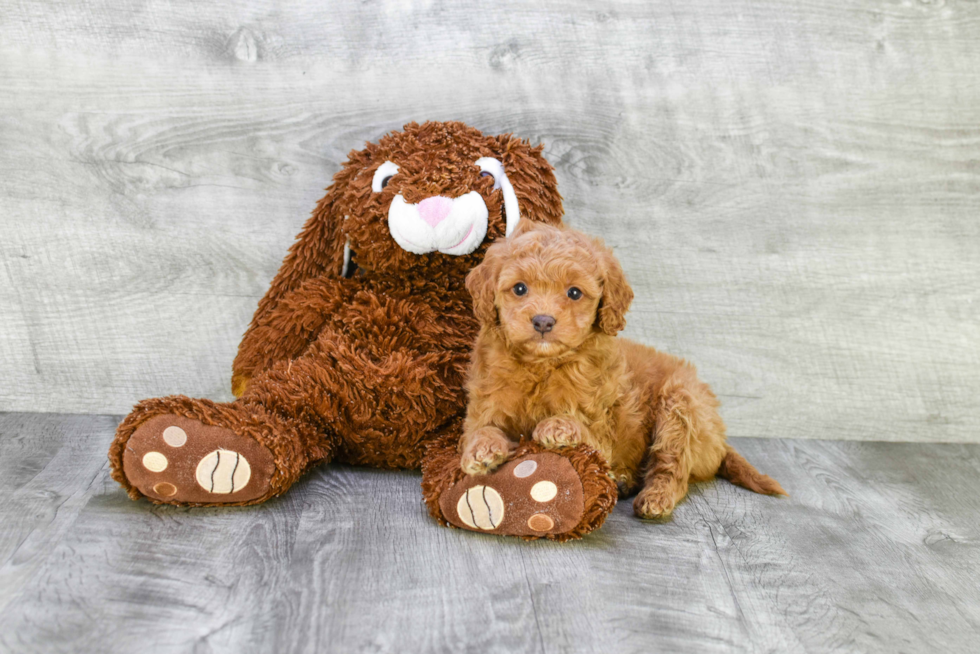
(549, 289)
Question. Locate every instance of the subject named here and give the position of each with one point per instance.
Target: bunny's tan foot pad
(179, 460)
(533, 496)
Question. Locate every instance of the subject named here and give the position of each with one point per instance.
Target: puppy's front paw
(558, 431)
(654, 503)
(485, 450)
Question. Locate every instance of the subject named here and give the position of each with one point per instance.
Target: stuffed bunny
(358, 352)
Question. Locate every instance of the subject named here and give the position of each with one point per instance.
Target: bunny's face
(432, 197)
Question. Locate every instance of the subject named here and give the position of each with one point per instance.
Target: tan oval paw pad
(481, 508)
(163, 489)
(525, 468)
(544, 491)
(223, 471)
(540, 522)
(154, 462)
(174, 436)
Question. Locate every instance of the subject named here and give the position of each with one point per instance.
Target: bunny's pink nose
(435, 209)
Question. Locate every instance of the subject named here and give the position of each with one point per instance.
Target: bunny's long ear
(320, 248)
(512, 206)
(533, 188)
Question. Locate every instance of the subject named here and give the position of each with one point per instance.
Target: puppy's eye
(488, 174)
(385, 181)
(574, 293)
(520, 288)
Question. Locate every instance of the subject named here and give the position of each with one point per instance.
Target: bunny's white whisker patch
(453, 226)
(457, 226)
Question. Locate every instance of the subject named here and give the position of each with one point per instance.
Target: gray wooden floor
(876, 550)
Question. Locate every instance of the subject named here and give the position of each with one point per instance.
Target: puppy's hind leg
(688, 443)
(666, 480)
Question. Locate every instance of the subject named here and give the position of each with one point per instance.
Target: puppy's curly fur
(547, 365)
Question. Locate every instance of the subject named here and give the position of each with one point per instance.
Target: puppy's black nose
(543, 323)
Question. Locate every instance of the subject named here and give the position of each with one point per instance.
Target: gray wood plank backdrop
(793, 187)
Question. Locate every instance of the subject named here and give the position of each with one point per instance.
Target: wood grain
(792, 186)
(877, 549)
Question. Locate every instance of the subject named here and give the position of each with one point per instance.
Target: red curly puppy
(547, 364)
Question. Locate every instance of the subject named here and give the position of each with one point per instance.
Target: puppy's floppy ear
(481, 282)
(616, 293)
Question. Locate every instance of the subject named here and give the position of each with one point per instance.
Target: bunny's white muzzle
(454, 226)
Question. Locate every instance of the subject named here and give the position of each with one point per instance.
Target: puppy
(547, 365)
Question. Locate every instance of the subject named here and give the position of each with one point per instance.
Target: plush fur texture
(364, 363)
(547, 364)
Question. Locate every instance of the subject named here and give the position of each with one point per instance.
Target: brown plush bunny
(358, 351)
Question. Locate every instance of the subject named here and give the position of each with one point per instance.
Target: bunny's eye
(574, 293)
(383, 175)
(520, 288)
